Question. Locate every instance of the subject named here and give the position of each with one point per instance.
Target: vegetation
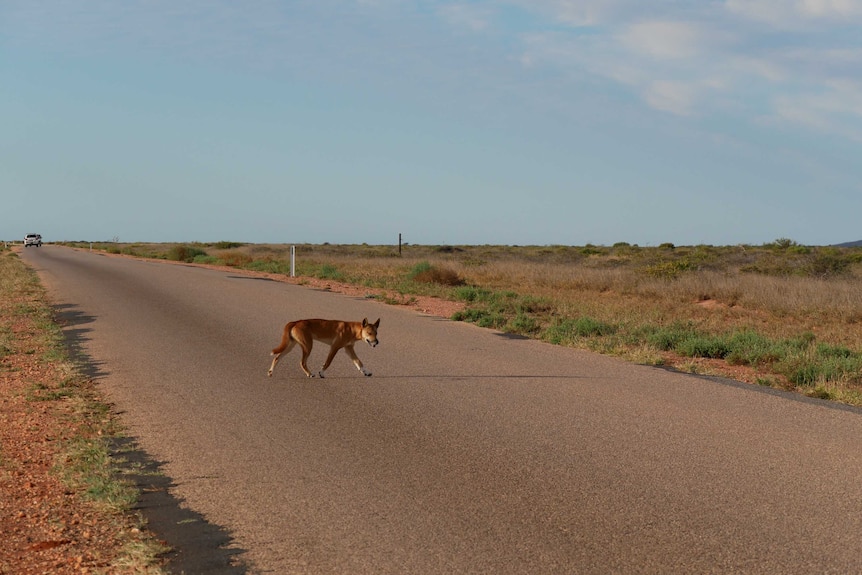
(790, 313)
(35, 359)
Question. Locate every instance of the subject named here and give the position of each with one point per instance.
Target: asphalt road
(466, 452)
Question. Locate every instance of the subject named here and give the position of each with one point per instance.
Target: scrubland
(780, 314)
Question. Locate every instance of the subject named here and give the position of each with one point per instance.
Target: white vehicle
(33, 240)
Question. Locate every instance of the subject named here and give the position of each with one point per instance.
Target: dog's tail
(285, 338)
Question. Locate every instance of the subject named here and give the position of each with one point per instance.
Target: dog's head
(369, 332)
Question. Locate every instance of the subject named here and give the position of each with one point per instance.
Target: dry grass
(65, 507)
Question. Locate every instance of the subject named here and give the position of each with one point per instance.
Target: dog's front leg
(333, 349)
(356, 361)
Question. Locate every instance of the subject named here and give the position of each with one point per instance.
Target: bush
(523, 324)
(668, 338)
(472, 294)
(426, 273)
(669, 269)
(826, 265)
(329, 272)
(205, 259)
(715, 347)
(235, 259)
(750, 348)
(271, 266)
(482, 318)
(184, 254)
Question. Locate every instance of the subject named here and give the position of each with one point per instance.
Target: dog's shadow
(451, 377)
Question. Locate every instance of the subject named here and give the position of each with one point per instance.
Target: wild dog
(338, 334)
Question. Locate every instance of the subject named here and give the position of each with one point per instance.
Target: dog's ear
(364, 321)
(377, 323)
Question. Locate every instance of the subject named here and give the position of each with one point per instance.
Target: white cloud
(677, 56)
(830, 8)
(588, 13)
(795, 13)
(664, 39)
(674, 97)
(470, 16)
(717, 57)
(837, 109)
(577, 13)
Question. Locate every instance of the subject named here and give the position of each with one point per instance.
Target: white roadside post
(292, 261)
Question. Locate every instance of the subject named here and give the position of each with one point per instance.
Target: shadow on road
(198, 546)
(72, 321)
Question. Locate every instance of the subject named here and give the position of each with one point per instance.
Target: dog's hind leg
(305, 342)
(285, 346)
(303, 363)
(277, 355)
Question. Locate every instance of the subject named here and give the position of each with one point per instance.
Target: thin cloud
(796, 13)
(788, 59)
(784, 59)
(664, 39)
(469, 16)
(675, 97)
(836, 109)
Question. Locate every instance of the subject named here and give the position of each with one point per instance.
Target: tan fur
(338, 334)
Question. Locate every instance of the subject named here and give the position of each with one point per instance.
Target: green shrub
(781, 244)
(827, 265)
(184, 253)
(833, 351)
(669, 269)
(471, 294)
(420, 268)
(750, 348)
(569, 330)
(533, 305)
(524, 324)
(482, 318)
(715, 347)
(800, 372)
(329, 272)
(205, 259)
(667, 338)
(270, 266)
(227, 245)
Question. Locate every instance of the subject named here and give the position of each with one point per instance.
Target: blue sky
(488, 122)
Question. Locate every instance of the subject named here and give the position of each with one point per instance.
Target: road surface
(467, 452)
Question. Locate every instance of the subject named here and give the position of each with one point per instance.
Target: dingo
(338, 334)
